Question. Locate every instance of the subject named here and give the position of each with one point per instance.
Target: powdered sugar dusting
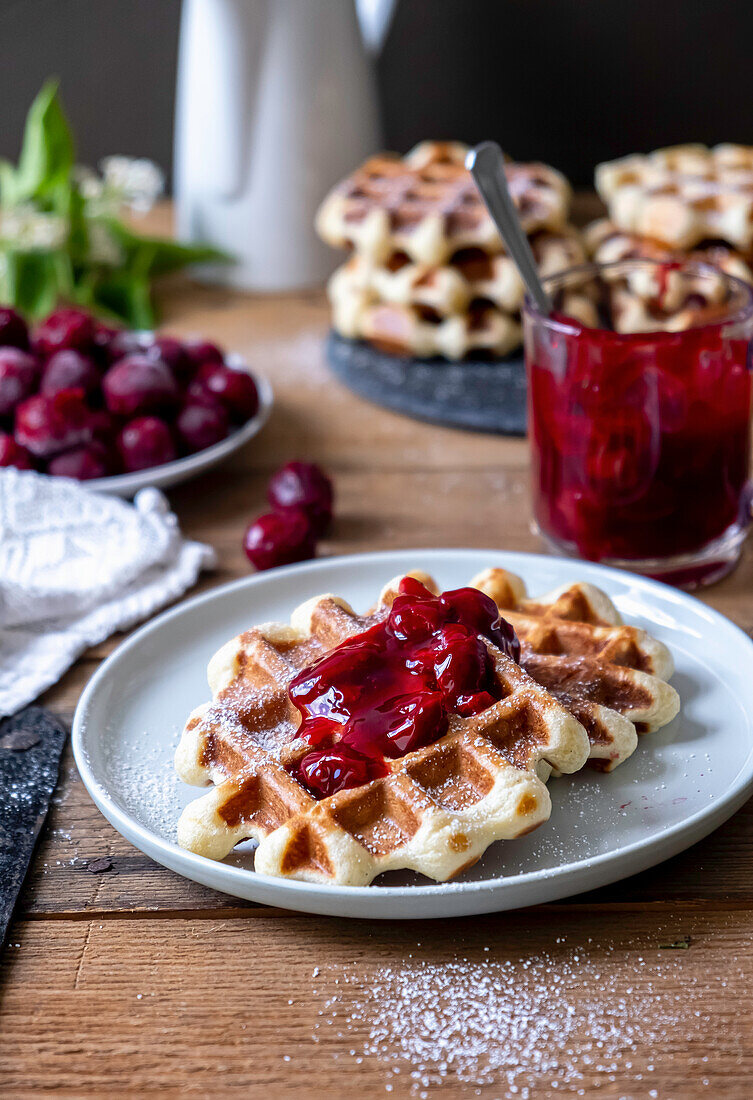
(142, 772)
(564, 1019)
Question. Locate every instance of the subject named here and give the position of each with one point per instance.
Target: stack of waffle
(428, 275)
(684, 202)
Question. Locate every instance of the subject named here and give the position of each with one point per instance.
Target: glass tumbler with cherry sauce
(640, 440)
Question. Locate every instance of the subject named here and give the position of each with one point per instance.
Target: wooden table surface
(137, 981)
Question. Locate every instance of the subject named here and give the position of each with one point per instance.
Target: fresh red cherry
(64, 328)
(145, 442)
(279, 538)
(235, 390)
(171, 352)
(103, 337)
(13, 454)
(123, 342)
(19, 374)
(330, 770)
(303, 485)
(201, 351)
(200, 426)
(14, 332)
(82, 463)
(137, 385)
(104, 426)
(68, 369)
(48, 425)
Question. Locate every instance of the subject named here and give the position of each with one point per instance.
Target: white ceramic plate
(679, 785)
(172, 473)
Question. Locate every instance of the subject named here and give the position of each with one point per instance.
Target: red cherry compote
(639, 443)
(390, 690)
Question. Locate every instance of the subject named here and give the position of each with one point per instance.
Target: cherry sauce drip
(390, 690)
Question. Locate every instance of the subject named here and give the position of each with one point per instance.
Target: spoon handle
(487, 166)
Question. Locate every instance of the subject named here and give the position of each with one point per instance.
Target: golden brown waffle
(470, 306)
(669, 301)
(427, 205)
(436, 811)
(683, 195)
(606, 244)
(417, 331)
(472, 277)
(612, 677)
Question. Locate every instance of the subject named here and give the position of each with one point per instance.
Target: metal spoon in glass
(487, 166)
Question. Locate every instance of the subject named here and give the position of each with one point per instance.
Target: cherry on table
(279, 538)
(303, 485)
(145, 442)
(138, 384)
(19, 374)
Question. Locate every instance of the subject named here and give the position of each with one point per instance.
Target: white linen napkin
(75, 567)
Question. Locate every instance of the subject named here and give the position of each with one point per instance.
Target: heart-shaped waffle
(435, 811)
(682, 195)
(426, 205)
(612, 677)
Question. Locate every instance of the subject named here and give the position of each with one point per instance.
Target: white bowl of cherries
(120, 409)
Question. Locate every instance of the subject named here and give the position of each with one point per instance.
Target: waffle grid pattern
(435, 813)
(588, 683)
(428, 275)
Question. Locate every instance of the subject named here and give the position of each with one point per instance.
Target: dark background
(570, 82)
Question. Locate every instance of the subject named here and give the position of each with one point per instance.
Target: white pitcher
(275, 102)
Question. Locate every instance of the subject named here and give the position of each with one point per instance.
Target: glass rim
(737, 315)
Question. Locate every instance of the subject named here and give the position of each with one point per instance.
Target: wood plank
(548, 1002)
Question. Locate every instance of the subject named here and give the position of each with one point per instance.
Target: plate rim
(669, 842)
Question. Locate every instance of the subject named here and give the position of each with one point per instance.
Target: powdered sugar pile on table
(518, 1025)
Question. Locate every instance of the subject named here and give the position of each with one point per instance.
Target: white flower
(137, 182)
(103, 248)
(25, 228)
(90, 184)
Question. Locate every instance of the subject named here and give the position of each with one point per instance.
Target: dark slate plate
(30, 746)
(479, 396)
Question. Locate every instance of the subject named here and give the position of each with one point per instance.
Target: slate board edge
(36, 770)
(475, 396)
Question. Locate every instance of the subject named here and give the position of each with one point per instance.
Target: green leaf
(47, 152)
(114, 280)
(125, 296)
(7, 181)
(31, 281)
(159, 256)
